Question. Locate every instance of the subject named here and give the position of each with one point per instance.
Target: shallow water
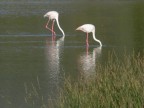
(30, 58)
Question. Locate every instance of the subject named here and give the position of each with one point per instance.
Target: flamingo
(89, 28)
(53, 15)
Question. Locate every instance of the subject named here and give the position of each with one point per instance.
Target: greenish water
(28, 54)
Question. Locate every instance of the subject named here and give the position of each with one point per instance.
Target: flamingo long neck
(93, 33)
(60, 27)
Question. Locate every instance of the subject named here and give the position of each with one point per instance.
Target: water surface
(30, 60)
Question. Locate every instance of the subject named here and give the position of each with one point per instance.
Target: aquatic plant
(117, 83)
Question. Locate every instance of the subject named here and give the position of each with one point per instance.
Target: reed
(119, 83)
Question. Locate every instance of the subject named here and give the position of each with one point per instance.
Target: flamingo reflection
(88, 61)
(53, 52)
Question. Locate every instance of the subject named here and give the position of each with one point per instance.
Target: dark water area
(32, 63)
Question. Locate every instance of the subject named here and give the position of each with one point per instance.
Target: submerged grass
(117, 84)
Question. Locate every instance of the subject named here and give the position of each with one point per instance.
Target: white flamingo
(89, 28)
(53, 15)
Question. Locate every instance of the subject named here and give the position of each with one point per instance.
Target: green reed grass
(119, 83)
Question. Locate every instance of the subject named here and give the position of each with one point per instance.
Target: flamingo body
(52, 15)
(88, 28)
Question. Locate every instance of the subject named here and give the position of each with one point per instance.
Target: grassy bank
(117, 84)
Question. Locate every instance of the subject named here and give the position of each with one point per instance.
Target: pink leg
(53, 33)
(48, 27)
(87, 40)
(87, 49)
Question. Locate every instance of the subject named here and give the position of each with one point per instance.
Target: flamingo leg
(48, 27)
(53, 33)
(87, 49)
(87, 43)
